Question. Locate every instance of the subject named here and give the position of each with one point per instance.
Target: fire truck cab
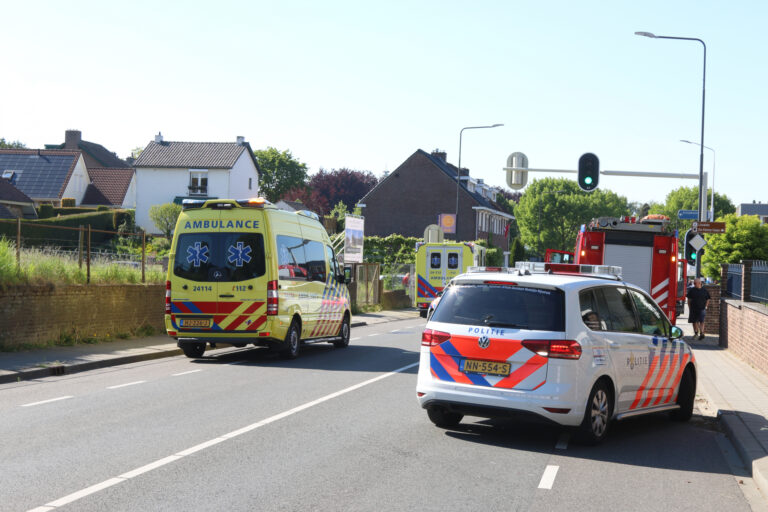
(646, 250)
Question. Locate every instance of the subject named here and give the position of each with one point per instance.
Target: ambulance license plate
(485, 367)
(196, 322)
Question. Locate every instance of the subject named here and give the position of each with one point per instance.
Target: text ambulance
(438, 263)
(245, 271)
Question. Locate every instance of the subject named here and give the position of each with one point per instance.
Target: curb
(751, 452)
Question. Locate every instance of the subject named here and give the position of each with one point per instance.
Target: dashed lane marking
(548, 478)
(212, 442)
(185, 373)
(47, 401)
(127, 384)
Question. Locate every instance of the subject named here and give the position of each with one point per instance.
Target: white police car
(571, 344)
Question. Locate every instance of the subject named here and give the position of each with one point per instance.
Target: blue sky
(362, 85)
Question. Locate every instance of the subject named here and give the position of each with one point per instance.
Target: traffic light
(589, 172)
(690, 252)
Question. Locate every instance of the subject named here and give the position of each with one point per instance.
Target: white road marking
(127, 384)
(548, 478)
(185, 373)
(562, 442)
(353, 339)
(172, 458)
(47, 401)
(374, 334)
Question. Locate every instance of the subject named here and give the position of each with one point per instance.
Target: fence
(746, 281)
(83, 244)
(367, 283)
(759, 288)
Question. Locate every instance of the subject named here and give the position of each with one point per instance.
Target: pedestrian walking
(698, 300)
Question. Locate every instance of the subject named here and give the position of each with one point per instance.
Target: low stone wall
(37, 315)
(744, 330)
(395, 299)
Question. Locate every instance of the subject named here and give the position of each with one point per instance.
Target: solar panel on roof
(38, 175)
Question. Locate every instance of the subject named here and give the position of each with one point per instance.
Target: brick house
(424, 186)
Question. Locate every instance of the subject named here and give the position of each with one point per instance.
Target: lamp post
(458, 172)
(539, 204)
(712, 200)
(702, 190)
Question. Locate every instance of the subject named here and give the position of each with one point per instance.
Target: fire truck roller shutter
(635, 262)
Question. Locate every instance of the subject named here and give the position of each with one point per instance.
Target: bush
(68, 202)
(102, 208)
(45, 211)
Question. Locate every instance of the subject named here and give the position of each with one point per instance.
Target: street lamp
(458, 172)
(702, 190)
(539, 203)
(712, 200)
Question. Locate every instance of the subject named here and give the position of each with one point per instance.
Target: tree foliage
(328, 188)
(279, 173)
(687, 198)
(553, 210)
(745, 238)
(164, 216)
(11, 145)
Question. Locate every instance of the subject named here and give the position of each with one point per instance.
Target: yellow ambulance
(438, 263)
(244, 271)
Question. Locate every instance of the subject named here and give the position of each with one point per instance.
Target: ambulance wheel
(597, 416)
(343, 340)
(685, 396)
(442, 417)
(194, 350)
(292, 342)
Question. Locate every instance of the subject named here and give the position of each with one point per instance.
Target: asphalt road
(333, 430)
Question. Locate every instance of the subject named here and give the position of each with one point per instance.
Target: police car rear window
(512, 307)
(226, 257)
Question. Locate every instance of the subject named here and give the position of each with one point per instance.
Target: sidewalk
(61, 360)
(738, 394)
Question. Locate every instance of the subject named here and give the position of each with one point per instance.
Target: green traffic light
(588, 180)
(693, 256)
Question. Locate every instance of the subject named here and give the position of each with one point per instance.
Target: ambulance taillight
(272, 298)
(167, 297)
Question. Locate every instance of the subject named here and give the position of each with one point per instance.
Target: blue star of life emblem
(197, 254)
(239, 255)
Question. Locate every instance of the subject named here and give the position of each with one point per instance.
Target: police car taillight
(272, 298)
(431, 338)
(167, 297)
(554, 349)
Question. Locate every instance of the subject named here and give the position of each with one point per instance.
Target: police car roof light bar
(569, 268)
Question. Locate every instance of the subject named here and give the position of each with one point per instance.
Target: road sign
(697, 242)
(708, 227)
(688, 214)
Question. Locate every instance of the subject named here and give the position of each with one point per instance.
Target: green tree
(553, 209)
(687, 198)
(745, 238)
(11, 145)
(517, 251)
(279, 172)
(164, 216)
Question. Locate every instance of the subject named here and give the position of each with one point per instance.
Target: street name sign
(708, 227)
(688, 214)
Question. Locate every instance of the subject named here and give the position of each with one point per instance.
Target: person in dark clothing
(698, 300)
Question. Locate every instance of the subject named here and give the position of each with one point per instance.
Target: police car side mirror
(675, 333)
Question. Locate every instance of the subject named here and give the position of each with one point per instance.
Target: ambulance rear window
(222, 257)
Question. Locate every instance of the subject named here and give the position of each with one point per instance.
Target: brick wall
(712, 318)
(32, 315)
(744, 330)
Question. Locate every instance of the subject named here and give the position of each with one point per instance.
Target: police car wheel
(597, 416)
(194, 350)
(443, 418)
(685, 397)
(292, 342)
(343, 340)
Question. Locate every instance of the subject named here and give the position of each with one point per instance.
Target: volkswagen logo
(483, 342)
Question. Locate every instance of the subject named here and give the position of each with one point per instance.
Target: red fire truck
(645, 250)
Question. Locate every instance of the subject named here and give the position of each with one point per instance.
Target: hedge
(35, 235)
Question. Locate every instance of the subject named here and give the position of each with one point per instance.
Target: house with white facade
(169, 172)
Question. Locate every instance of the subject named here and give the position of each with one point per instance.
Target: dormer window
(10, 176)
(198, 182)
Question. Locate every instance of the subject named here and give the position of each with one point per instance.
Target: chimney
(159, 138)
(72, 139)
(442, 155)
(240, 140)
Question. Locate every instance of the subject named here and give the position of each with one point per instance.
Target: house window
(198, 183)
